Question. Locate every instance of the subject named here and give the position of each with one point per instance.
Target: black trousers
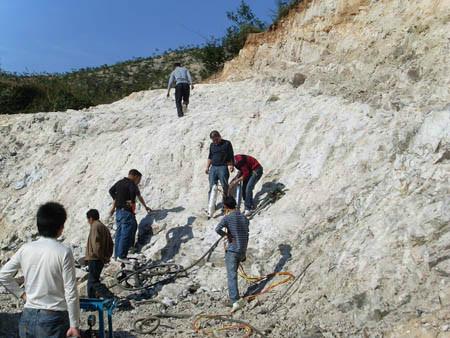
(182, 92)
(95, 288)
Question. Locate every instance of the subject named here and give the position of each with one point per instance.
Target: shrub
(283, 7)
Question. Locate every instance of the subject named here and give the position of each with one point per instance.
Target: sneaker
(238, 305)
(124, 260)
(247, 212)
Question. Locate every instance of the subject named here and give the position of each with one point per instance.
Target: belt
(44, 310)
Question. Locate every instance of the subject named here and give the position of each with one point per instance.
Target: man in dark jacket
(99, 250)
(220, 161)
(124, 194)
(250, 172)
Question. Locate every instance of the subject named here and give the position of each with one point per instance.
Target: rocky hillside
(346, 104)
(390, 54)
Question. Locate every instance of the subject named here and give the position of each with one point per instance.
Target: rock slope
(368, 180)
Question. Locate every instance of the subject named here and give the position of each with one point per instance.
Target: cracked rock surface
(367, 179)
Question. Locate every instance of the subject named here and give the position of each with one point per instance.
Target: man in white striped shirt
(52, 308)
(182, 79)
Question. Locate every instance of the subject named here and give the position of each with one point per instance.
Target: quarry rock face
(390, 54)
(360, 142)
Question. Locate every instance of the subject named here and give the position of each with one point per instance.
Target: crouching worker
(250, 172)
(236, 226)
(52, 307)
(99, 250)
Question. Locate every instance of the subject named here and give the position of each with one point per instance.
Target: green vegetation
(30, 93)
(283, 7)
(244, 22)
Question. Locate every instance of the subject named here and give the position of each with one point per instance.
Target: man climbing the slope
(250, 172)
(182, 79)
(52, 306)
(99, 250)
(124, 193)
(220, 162)
(236, 226)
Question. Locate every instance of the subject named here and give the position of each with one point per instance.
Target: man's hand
(148, 209)
(207, 171)
(231, 168)
(24, 297)
(111, 212)
(233, 183)
(73, 332)
(192, 87)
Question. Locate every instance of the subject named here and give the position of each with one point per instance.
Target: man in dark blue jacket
(220, 161)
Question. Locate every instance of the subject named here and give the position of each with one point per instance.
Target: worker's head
(92, 216)
(177, 64)
(135, 176)
(50, 219)
(229, 203)
(215, 137)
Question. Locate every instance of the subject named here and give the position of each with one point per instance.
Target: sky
(64, 35)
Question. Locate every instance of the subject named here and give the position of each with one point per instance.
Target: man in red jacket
(250, 172)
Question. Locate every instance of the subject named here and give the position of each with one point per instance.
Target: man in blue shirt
(236, 226)
(182, 79)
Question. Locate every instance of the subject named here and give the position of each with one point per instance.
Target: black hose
(139, 323)
(172, 274)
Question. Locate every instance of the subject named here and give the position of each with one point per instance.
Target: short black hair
(214, 133)
(177, 64)
(134, 172)
(50, 218)
(229, 202)
(93, 213)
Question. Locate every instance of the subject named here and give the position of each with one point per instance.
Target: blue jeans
(232, 260)
(35, 323)
(125, 233)
(248, 187)
(219, 173)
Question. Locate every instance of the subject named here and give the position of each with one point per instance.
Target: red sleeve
(245, 172)
(253, 163)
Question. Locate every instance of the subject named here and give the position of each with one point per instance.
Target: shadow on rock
(160, 214)
(145, 230)
(266, 188)
(175, 237)
(285, 251)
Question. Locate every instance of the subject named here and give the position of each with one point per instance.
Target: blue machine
(100, 305)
